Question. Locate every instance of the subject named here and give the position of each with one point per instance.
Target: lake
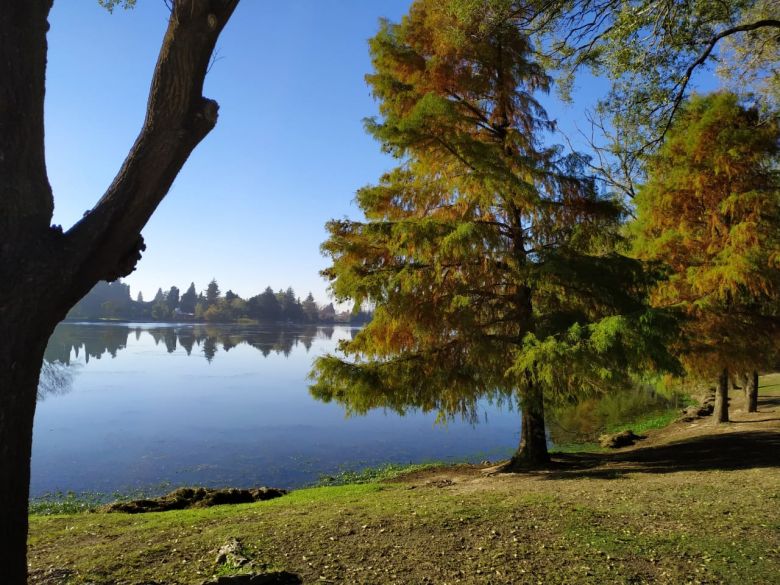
(127, 407)
(149, 406)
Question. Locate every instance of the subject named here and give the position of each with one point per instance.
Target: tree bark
(751, 392)
(20, 360)
(26, 201)
(43, 271)
(721, 414)
(532, 451)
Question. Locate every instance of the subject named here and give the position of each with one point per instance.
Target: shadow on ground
(727, 451)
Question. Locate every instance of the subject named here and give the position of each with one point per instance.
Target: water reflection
(71, 341)
(217, 405)
(95, 341)
(56, 379)
(585, 420)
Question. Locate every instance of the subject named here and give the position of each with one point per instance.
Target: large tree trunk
(45, 271)
(20, 363)
(721, 414)
(751, 392)
(532, 451)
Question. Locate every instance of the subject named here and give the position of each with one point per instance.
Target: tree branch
(683, 84)
(106, 243)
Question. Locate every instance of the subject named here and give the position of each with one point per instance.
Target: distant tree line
(113, 301)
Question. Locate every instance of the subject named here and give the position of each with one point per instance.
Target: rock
(617, 440)
(233, 553)
(691, 413)
(274, 578)
(196, 498)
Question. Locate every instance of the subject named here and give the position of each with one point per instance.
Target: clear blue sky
(288, 152)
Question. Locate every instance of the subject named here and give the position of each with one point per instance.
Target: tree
(212, 292)
(490, 258)
(160, 311)
(140, 297)
(710, 211)
(91, 306)
(172, 299)
(44, 270)
(328, 313)
(265, 306)
(650, 50)
(310, 308)
(290, 305)
(188, 300)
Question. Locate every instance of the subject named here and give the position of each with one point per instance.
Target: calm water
(124, 407)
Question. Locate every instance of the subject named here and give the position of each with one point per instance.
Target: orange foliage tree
(710, 211)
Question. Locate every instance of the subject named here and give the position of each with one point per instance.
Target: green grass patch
(386, 472)
(769, 385)
(657, 420)
(79, 502)
(66, 503)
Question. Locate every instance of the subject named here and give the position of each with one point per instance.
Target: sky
(287, 155)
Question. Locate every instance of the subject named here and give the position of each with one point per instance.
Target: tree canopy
(491, 258)
(651, 52)
(710, 211)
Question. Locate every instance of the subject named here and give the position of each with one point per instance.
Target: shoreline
(671, 509)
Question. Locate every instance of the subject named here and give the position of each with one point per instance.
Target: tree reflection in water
(93, 341)
(586, 419)
(56, 379)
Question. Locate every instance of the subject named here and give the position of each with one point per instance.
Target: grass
(685, 527)
(386, 472)
(66, 503)
(657, 420)
(79, 502)
(769, 385)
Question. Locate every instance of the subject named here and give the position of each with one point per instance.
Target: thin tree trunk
(19, 372)
(721, 414)
(532, 451)
(751, 393)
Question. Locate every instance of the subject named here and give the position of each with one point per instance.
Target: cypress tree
(710, 211)
(489, 256)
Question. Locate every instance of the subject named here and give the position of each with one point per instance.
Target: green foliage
(491, 258)
(111, 4)
(265, 306)
(309, 307)
(112, 301)
(212, 292)
(188, 300)
(172, 299)
(106, 299)
(66, 503)
(649, 48)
